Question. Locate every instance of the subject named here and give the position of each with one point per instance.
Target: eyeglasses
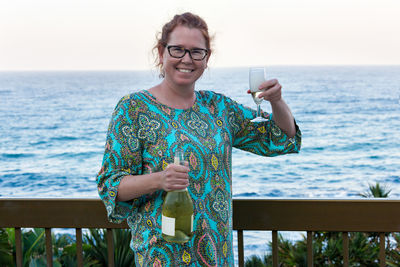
(179, 52)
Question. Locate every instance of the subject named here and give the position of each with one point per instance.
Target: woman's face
(183, 71)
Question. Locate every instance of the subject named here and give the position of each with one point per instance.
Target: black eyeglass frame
(186, 51)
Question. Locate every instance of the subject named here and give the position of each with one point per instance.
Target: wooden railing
(366, 215)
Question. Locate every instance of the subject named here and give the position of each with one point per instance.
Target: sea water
(53, 127)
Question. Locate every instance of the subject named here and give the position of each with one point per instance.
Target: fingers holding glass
(271, 91)
(257, 76)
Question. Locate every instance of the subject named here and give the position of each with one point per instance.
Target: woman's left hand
(271, 91)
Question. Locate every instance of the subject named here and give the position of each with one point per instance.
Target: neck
(173, 96)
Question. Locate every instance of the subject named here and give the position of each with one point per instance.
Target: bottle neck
(180, 190)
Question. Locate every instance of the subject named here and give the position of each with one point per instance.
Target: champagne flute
(256, 77)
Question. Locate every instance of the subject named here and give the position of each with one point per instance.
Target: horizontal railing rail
(310, 215)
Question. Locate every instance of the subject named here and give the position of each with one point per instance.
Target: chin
(184, 81)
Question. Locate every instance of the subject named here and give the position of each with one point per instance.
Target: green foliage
(64, 248)
(376, 191)
(292, 254)
(328, 246)
(68, 256)
(123, 255)
(255, 261)
(327, 251)
(393, 252)
(33, 248)
(6, 249)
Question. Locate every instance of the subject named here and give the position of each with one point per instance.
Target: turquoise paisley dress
(142, 137)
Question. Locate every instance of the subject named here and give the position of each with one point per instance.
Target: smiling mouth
(184, 70)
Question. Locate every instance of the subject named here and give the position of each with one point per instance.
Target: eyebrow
(189, 48)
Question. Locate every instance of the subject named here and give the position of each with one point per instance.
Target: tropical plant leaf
(123, 255)
(376, 191)
(6, 249)
(33, 245)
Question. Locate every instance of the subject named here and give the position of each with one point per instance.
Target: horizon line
(208, 69)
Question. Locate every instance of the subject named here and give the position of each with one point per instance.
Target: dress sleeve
(121, 157)
(261, 138)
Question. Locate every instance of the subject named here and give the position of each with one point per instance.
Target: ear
(207, 58)
(161, 50)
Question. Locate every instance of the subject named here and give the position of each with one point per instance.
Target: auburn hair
(187, 19)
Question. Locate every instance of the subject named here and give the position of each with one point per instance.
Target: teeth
(184, 70)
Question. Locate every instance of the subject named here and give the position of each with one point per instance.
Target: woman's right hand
(175, 177)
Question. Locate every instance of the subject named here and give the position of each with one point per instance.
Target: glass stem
(258, 110)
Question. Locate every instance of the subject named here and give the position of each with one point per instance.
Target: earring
(162, 71)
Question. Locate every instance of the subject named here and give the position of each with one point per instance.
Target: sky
(120, 34)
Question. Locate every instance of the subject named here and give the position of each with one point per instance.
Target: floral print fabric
(142, 137)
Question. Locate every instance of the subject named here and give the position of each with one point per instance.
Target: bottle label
(168, 225)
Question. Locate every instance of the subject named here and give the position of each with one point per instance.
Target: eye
(197, 52)
(177, 49)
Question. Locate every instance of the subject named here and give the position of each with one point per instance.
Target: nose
(187, 57)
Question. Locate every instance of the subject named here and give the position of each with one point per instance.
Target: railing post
(49, 247)
(310, 252)
(345, 236)
(240, 248)
(18, 246)
(110, 247)
(275, 245)
(79, 251)
(382, 256)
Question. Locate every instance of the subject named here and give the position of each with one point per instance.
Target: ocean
(53, 127)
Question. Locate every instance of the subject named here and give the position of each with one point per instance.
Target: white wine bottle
(177, 212)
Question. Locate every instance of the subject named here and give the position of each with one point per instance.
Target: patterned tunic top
(142, 137)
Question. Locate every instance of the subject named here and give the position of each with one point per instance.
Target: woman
(148, 126)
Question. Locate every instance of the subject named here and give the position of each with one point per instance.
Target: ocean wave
(247, 194)
(275, 193)
(64, 138)
(65, 155)
(17, 155)
(37, 143)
